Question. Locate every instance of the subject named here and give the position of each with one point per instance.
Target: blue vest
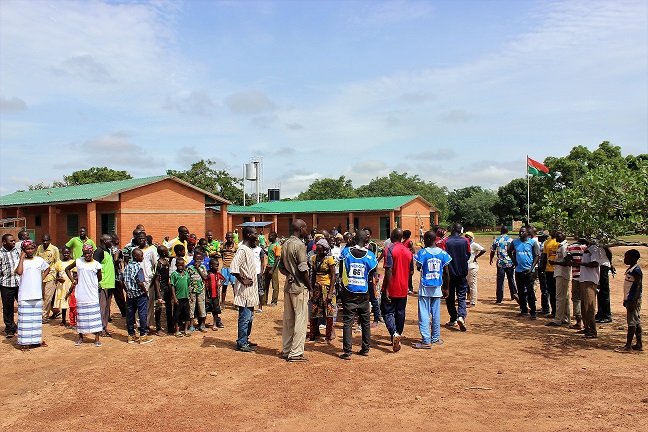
(356, 271)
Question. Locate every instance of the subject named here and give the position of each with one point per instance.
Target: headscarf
(27, 243)
(325, 245)
(87, 248)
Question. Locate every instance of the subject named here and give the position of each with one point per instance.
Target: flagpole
(526, 171)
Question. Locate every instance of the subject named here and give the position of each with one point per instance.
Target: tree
(472, 206)
(94, 175)
(204, 175)
(329, 188)
(403, 184)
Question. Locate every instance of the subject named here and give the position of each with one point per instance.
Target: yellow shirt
(550, 248)
(323, 272)
(51, 257)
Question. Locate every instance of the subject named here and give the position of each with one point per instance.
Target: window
(37, 220)
(108, 223)
(72, 225)
(397, 220)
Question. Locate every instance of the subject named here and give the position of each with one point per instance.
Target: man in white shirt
(562, 276)
(476, 250)
(246, 290)
(148, 268)
(590, 274)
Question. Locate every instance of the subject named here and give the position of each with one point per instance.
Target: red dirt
(505, 373)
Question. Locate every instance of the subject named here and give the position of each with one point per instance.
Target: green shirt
(180, 283)
(107, 269)
(196, 283)
(274, 251)
(212, 248)
(76, 245)
(262, 240)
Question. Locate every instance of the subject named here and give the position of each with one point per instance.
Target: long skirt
(88, 318)
(30, 322)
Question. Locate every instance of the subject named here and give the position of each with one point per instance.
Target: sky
(457, 92)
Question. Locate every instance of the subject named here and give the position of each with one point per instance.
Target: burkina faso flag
(536, 168)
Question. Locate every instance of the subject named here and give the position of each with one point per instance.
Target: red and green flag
(536, 168)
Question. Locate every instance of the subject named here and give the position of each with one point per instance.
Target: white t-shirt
(475, 248)
(561, 255)
(87, 290)
(148, 265)
(258, 253)
(31, 281)
(592, 274)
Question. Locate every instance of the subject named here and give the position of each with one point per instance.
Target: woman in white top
(32, 270)
(87, 294)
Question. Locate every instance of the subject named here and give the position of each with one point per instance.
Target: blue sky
(457, 92)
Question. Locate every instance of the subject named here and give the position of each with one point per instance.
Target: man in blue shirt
(432, 262)
(504, 265)
(525, 253)
(458, 248)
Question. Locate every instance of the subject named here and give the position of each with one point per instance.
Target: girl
(213, 286)
(32, 270)
(61, 303)
(87, 294)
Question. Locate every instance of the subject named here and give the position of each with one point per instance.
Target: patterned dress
(320, 308)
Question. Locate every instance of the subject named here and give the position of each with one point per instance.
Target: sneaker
(451, 324)
(219, 324)
(297, 359)
(396, 345)
(260, 310)
(245, 348)
(346, 356)
(421, 345)
(132, 339)
(145, 339)
(363, 352)
(462, 324)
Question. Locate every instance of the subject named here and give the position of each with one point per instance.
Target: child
(136, 297)
(214, 280)
(32, 270)
(178, 252)
(161, 280)
(87, 294)
(432, 261)
(64, 283)
(197, 275)
(180, 293)
(632, 287)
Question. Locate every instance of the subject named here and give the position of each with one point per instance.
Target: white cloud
(10, 105)
(249, 102)
(196, 102)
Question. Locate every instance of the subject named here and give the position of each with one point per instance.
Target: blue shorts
(230, 279)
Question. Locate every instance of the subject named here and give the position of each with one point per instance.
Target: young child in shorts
(63, 284)
(632, 293)
(180, 292)
(213, 287)
(197, 276)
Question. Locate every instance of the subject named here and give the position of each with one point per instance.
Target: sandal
(97, 343)
(78, 342)
(299, 358)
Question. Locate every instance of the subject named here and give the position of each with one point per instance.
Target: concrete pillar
(51, 224)
(253, 219)
(91, 218)
(392, 221)
(436, 218)
(230, 224)
(275, 223)
(351, 227)
(224, 220)
(314, 220)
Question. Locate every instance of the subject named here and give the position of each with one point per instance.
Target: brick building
(378, 213)
(160, 203)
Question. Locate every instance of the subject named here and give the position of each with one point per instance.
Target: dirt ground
(505, 373)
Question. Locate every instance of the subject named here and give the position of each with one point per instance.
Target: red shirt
(398, 258)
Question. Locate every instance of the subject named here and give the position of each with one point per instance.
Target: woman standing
(87, 294)
(32, 270)
(323, 299)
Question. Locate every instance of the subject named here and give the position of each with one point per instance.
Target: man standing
(76, 243)
(458, 248)
(358, 266)
(227, 250)
(271, 272)
(476, 250)
(104, 256)
(246, 288)
(294, 265)
(183, 236)
(525, 253)
(504, 265)
(562, 276)
(50, 254)
(398, 260)
(590, 275)
(575, 251)
(9, 281)
(373, 282)
(548, 257)
(148, 269)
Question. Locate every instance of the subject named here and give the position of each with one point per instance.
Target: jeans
(507, 272)
(429, 306)
(551, 290)
(9, 297)
(458, 288)
(603, 296)
(375, 303)
(353, 304)
(245, 318)
(141, 305)
(526, 291)
(394, 314)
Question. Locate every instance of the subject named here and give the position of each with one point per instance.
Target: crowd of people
(187, 277)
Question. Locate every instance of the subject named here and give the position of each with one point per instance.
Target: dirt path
(505, 373)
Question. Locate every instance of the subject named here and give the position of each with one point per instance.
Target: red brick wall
(413, 215)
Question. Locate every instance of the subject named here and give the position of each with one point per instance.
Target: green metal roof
(86, 192)
(324, 206)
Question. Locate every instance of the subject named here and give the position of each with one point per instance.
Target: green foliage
(472, 206)
(403, 184)
(511, 201)
(329, 188)
(202, 174)
(95, 175)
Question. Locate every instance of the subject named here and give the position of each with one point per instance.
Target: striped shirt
(576, 251)
(227, 253)
(8, 263)
(133, 274)
(244, 263)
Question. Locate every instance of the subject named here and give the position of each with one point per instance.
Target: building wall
(161, 207)
(413, 215)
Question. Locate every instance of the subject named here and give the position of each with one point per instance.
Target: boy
(136, 297)
(632, 287)
(161, 280)
(180, 293)
(197, 275)
(214, 280)
(432, 262)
